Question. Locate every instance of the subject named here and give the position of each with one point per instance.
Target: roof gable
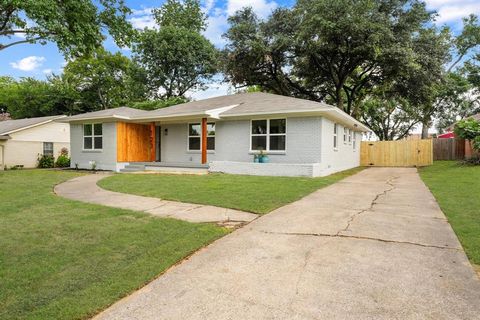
(10, 126)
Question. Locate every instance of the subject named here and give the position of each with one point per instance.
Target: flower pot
(264, 159)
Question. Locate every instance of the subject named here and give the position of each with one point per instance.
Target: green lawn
(61, 259)
(457, 190)
(247, 193)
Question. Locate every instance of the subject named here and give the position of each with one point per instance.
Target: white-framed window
(354, 139)
(335, 136)
(93, 136)
(195, 136)
(48, 148)
(268, 135)
(349, 136)
(345, 135)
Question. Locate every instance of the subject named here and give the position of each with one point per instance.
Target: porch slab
(85, 189)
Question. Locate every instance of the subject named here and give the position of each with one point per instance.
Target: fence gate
(403, 153)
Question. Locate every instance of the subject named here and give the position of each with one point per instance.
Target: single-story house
(223, 134)
(22, 140)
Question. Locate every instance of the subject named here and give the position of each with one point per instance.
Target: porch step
(133, 168)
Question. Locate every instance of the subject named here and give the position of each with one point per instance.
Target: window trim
(200, 136)
(345, 135)
(267, 135)
(93, 136)
(335, 136)
(53, 148)
(350, 136)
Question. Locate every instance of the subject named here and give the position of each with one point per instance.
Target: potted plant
(263, 157)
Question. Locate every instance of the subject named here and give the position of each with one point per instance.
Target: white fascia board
(113, 117)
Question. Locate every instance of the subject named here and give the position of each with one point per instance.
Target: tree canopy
(74, 25)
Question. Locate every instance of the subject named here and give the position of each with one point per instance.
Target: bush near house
(45, 161)
(63, 161)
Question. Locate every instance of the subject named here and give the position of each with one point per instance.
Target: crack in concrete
(328, 235)
(372, 204)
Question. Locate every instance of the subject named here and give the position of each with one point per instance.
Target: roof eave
(33, 125)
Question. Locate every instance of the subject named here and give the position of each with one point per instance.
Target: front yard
(248, 193)
(457, 190)
(62, 259)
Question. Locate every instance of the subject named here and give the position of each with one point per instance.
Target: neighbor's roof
(10, 126)
(228, 107)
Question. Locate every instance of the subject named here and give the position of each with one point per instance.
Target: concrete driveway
(373, 246)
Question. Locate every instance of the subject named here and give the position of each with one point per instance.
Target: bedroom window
(268, 135)
(93, 136)
(335, 130)
(195, 136)
(48, 148)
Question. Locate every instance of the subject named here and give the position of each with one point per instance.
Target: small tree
(469, 129)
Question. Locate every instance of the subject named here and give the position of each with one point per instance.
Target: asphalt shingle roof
(13, 125)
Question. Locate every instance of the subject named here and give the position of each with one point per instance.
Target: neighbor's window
(195, 136)
(335, 130)
(345, 135)
(93, 136)
(269, 135)
(48, 148)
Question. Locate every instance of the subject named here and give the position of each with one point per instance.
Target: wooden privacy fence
(402, 153)
(448, 149)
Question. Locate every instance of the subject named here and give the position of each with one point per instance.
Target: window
(354, 141)
(269, 135)
(344, 135)
(335, 129)
(48, 148)
(93, 136)
(349, 136)
(195, 136)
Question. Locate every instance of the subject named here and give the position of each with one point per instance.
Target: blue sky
(37, 60)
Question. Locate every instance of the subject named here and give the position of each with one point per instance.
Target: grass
(456, 188)
(61, 259)
(248, 193)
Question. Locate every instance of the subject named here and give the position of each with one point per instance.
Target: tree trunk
(425, 126)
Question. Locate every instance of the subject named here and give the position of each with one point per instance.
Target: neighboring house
(301, 137)
(450, 134)
(21, 141)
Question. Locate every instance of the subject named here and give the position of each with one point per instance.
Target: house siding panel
(105, 159)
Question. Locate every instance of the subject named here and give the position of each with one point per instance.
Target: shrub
(63, 161)
(45, 161)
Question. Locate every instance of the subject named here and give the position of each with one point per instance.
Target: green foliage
(177, 56)
(469, 129)
(45, 161)
(76, 26)
(158, 104)
(181, 14)
(322, 49)
(64, 259)
(105, 80)
(63, 161)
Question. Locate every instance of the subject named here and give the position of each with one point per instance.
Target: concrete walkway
(85, 189)
(373, 246)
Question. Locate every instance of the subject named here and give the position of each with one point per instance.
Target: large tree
(323, 49)
(106, 80)
(76, 26)
(177, 57)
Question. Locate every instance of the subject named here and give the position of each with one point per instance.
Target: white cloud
(142, 18)
(213, 90)
(262, 8)
(29, 63)
(47, 71)
(217, 25)
(453, 10)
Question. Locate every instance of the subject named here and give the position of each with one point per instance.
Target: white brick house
(225, 134)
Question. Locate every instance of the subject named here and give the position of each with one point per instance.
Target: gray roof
(121, 112)
(8, 126)
(236, 105)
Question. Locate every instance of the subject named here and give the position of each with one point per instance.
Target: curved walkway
(85, 189)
